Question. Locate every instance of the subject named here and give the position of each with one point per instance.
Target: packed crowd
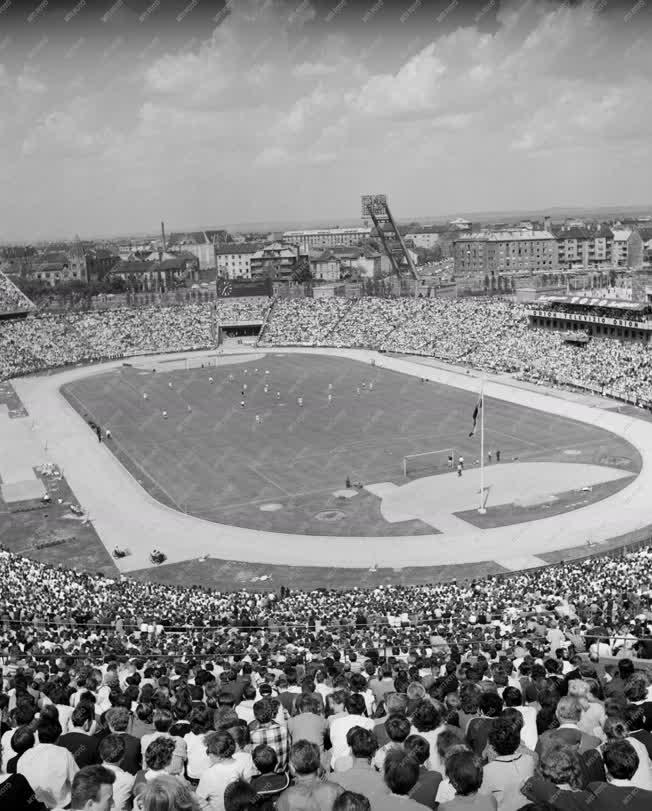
(57, 340)
(455, 696)
(491, 335)
(11, 298)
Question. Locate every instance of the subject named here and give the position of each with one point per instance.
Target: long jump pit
(125, 514)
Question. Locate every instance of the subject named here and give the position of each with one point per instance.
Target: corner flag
(476, 411)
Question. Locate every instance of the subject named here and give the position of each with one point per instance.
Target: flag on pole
(476, 411)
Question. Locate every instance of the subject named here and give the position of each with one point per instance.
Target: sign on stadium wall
(592, 319)
(239, 288)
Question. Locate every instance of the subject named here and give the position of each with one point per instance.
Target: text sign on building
(239, 288)
(375, 204)
(592, 319)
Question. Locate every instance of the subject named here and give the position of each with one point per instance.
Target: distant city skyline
(115, 115)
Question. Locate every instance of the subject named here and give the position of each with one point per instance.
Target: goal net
(428, 463)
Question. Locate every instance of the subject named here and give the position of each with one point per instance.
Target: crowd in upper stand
(471, 695)
(11, 298)
(491, 335)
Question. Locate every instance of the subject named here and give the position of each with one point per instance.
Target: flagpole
(481, 509)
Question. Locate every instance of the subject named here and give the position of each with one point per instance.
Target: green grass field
(211, 459)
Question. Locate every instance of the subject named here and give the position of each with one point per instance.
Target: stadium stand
(12, 300)
(525, 691)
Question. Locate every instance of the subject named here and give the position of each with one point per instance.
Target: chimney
(163, 234)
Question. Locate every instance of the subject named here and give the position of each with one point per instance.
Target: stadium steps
(268, 315)
(323, 339)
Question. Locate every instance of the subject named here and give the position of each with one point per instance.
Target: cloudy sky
(115, 114)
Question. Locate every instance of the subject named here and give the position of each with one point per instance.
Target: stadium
(401, 488)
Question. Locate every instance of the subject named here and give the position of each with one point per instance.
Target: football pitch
(210, 457)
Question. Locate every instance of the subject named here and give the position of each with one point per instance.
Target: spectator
(79, 742)
(166, 793)
(48, 768)
(427, 785)
(401, 775)
(307, 789)
(361, 775)
(111, 752)
(266, 730)
(92, 788)
(464, 770)
(504, 776)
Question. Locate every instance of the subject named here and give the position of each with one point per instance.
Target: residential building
(516, 250)
(325, 266)
(142, 276)
(199, 243)
(277, 260)
(427, 238)
(56, 267)
(233, 260)
(627, 249)
(368, 261)
(99, 262)
(646, 238)
(583, 247)
(327, 237)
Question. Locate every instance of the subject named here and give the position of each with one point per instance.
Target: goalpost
(428, 462)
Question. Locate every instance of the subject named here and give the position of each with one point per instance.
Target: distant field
(211, 459)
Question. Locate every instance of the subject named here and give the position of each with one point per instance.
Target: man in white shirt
(353, 716)
(48, 768)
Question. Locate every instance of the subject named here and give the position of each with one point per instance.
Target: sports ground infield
(209, 456)
(572, 481)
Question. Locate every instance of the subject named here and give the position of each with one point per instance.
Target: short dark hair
(350, 801)
(81, 715)
(490, 704)
(22, 739)
(264, 758)
(162, 720)
(239, 796)
(426, 717)
(397, 728)
(112, 748)
(200, 720)
(355, 704)
(362, 741)
(401, 772)
(264, 711)
(504, 736)
(418, 747)
(620, 759)
(49, 730)
(87, 783)
(512, 697)
(159, 753)
(304, 757)
(220, 744)
(464, 770)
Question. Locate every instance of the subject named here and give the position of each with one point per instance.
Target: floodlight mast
(376, 207)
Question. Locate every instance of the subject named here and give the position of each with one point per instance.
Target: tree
(301, 272)
(613, 276)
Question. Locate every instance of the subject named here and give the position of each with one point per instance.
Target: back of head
(264, 711)
(401, 772)
(304, 757)
(162, 720)
(112, 748)
(167, 793)
(418, 748)
(264, 758)
(239, 796)
(464, 770)
(350, 801)
(561, 765)
(49, 731)
(504, 736)
(398, 728)
(568, 710)
(396, 703)
(362, 742)
(355, 704)
(88, 785)
(620, 759)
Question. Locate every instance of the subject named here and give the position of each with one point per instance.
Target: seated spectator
(111, 751)
(395, 704)
(22, 739)
(617, 730)
(142, 722)
(307, 789)
(398, 728)
(427, 785)
(490, 706)
(353, 715)
(117, 719)
(224, 769)
(16, 793)
(78, 740)
(512, 697)
(401, 774)
(309, 724)
(618, 794)
(634, 717)
(464, 770)
(198, 760)
(163, 720)
(92, 788)
(361, 775)
(268, 783)
(266, 730)
(158, 761)
(504, 776)
(48, 768)
(593, 713)
(427, 721)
